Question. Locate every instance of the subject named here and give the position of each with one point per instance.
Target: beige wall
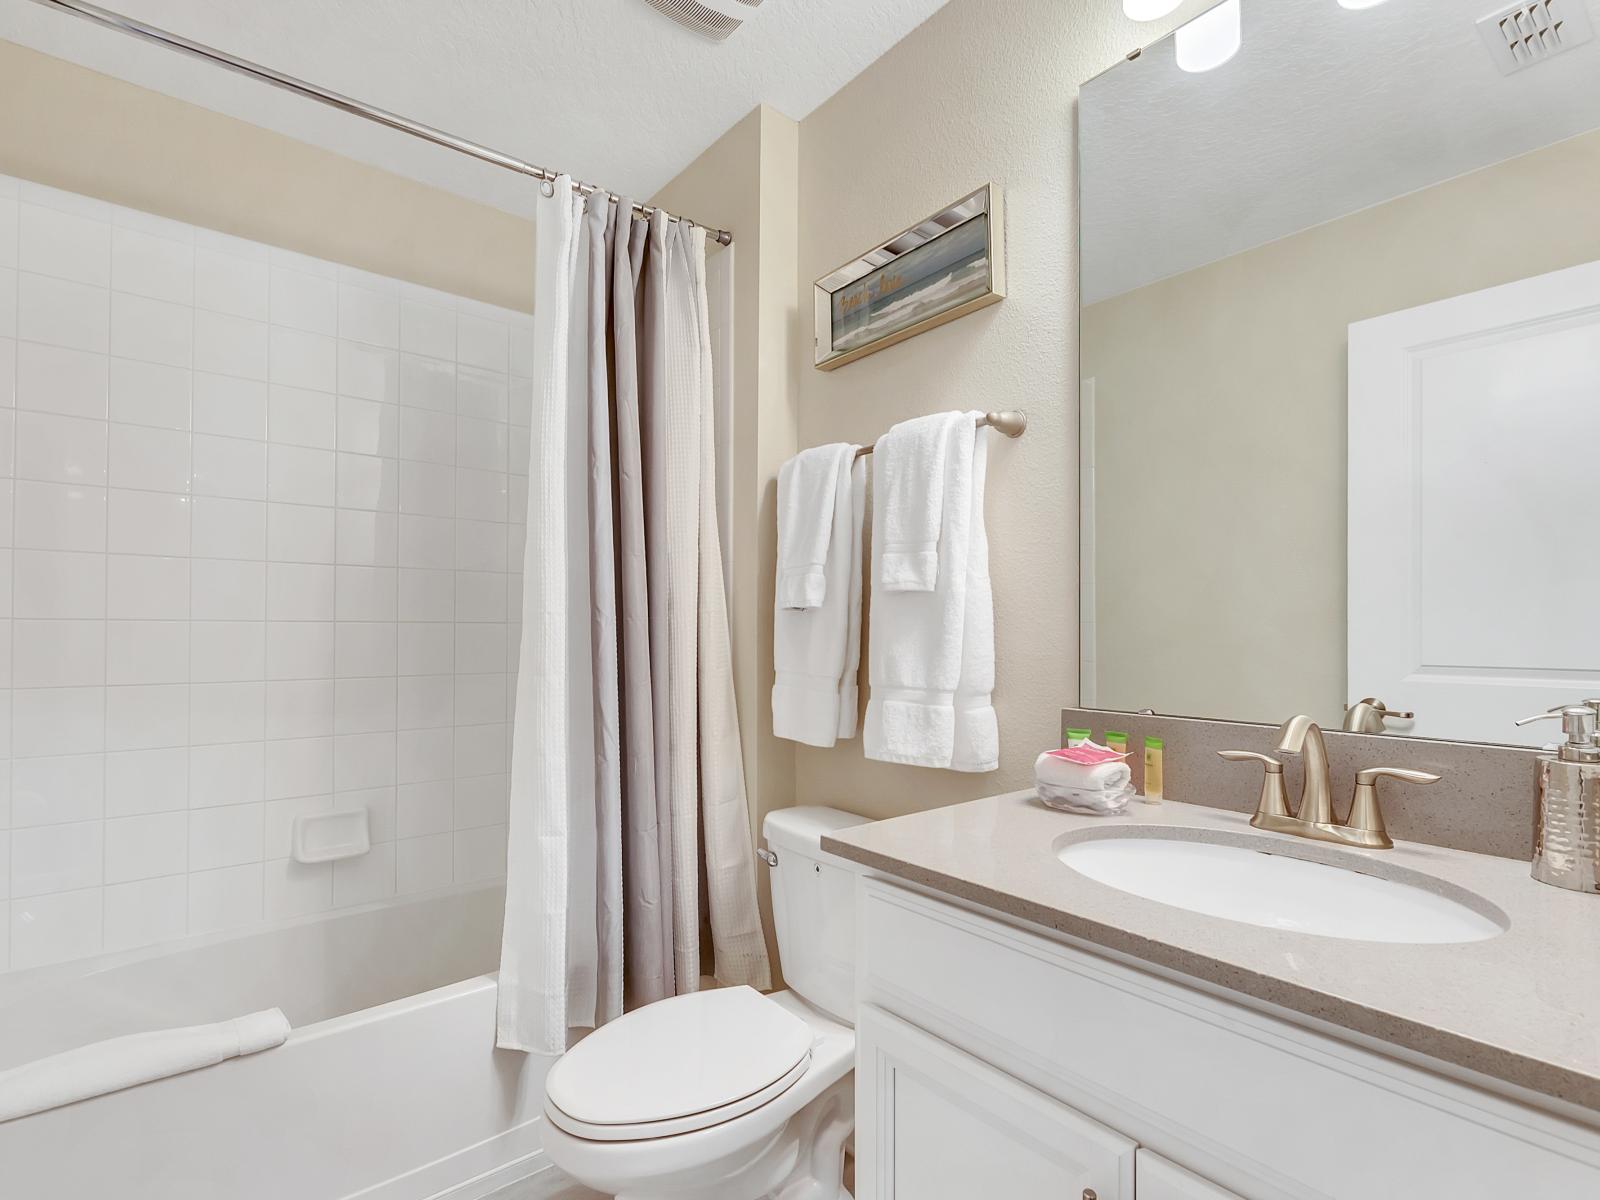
(980, 92)
(746, 183)
(1225, 386)
(76, 129)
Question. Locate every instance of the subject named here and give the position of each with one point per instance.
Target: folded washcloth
(1086, 778)
(908, 488)
(807, 486)
(124, 1062)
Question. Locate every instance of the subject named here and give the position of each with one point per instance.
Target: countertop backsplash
(1484, 803)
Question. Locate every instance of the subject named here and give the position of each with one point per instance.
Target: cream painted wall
(745, 182)
(979, 92)
(1225, 386)
(85, 132)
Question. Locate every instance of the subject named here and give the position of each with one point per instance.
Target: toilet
(728, 1094)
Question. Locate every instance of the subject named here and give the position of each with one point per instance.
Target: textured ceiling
(1323, 112)
(608, 90)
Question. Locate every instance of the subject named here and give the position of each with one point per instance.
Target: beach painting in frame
(937, 271)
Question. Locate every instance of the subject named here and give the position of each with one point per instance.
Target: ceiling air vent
(715, 19)
(1524, 35)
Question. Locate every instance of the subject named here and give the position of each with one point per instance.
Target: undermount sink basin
(1262, 883)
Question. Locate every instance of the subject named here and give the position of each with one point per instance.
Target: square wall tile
(295, 889)
(54, 516)
(64, 245)
(224, 898)
(146, 912)
(225, 837)
(152, 330)
(146, 781)
(423, 863)
(152, 266)
(142, 393)
(229, 345)
(54, 791)
(229, 406)
(142, 587)
(153, 460)
(230, 529)
(60, 449)
(147, 716)
(55, 583)
(148, 522)
(56, 379)
(56, 858)
(47, 721)
(55, 928)
(147, 847)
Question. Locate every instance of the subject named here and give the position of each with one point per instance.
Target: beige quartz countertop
(1522, 1007)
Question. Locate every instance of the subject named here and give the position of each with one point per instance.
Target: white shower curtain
(625, 746)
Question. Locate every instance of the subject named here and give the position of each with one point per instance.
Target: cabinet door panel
(1159, 1179)
(934, 1123)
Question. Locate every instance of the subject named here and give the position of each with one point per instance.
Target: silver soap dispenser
(1566, 843)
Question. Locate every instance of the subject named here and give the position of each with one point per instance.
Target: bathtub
(389, 1087)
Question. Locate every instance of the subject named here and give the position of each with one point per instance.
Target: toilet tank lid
(801, 829)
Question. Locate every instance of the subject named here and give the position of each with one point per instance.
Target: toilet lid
(680, 1057)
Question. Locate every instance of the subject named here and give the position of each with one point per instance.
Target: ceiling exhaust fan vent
(715, 19)
(1526, 35)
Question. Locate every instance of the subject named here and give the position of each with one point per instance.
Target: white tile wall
(259, 557)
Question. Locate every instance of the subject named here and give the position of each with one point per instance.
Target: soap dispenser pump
(1566, 846)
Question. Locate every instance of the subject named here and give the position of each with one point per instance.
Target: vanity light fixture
(1149, 10)
(1211, 39)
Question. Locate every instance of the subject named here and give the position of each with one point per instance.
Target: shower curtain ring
(547, 187)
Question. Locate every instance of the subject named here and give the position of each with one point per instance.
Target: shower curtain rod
(173, 41)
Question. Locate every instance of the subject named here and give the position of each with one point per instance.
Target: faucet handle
(1366, 818)
(1274, 800)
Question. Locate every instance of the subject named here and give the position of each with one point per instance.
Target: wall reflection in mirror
(1341, 369)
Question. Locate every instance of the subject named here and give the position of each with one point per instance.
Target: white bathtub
(389, 1088)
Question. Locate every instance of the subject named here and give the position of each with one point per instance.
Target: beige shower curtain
(627, 780)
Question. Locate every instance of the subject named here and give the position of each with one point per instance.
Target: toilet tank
(814, 908)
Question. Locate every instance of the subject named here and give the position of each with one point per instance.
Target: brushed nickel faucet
(1313, 817)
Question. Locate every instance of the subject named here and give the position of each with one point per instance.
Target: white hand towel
(908, 489)
(125, 1062)
(807, 485)
(817, 651)
(923, 650)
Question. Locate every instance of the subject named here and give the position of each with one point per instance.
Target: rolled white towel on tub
(124, 1062)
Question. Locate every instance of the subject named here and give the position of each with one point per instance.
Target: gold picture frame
(945, 267)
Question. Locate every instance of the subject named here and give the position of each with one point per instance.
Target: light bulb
(1149, 10)
(1211, 39)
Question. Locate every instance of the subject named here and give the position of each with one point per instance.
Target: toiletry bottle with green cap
(1117, 741)
(1153, 782)
(1077, 737)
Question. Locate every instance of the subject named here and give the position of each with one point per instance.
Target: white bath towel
(931, 666)
(908, 493)
(125, 1062)
(817, 651)
(807, 484)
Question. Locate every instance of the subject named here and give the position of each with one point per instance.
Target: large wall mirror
(1341, 367)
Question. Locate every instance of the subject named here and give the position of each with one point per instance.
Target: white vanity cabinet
(944, 1126)
(996, 1061)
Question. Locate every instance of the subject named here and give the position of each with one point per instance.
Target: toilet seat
(678, 1065)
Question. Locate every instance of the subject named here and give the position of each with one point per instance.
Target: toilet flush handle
(767, 856)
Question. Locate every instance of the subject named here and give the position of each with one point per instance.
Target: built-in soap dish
(328, 836)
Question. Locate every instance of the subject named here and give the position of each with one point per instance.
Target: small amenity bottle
(1152, 771)
(1076, 737)
(1116, 741)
